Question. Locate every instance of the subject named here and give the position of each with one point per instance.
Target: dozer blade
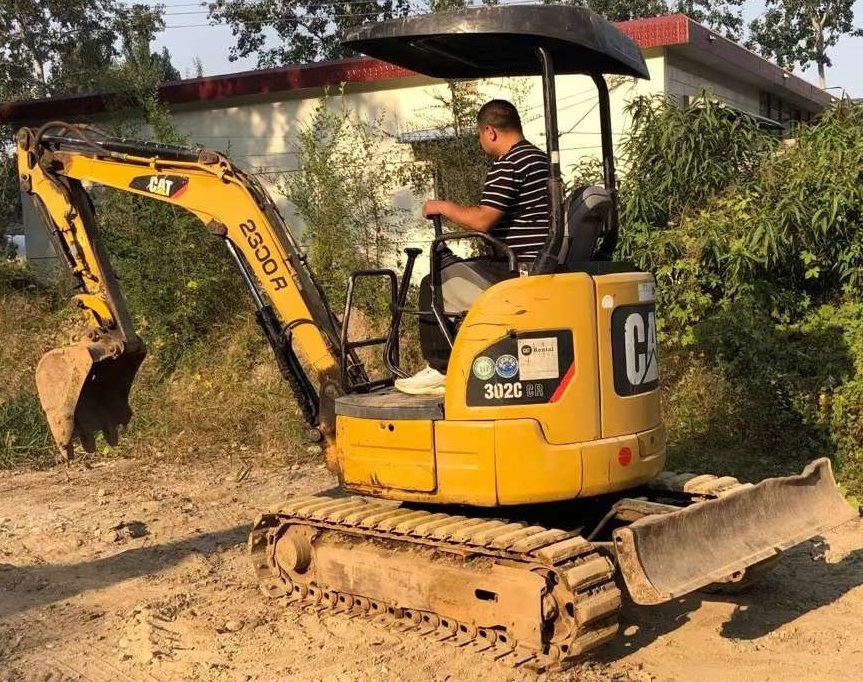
(84, 390)
(669, 555)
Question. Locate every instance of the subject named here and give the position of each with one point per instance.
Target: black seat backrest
(586, 212)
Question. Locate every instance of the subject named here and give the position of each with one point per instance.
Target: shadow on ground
(801, 582)
(33, 586)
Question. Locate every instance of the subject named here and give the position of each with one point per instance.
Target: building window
(777, 109)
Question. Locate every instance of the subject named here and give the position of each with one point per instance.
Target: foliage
(176, 277)
(53, 47)
(757, 252)
(24, 435)
(10, 201)
(237, 401)
(676, 158)
(308, 31)
(452, 159)
(343, 190)
(32, 311)
(800, 32)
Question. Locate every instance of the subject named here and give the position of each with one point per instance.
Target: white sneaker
(425, 382)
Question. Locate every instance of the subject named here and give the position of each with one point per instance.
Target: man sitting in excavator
(513, 209)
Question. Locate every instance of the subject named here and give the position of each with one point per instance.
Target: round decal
(483, 368)
(506, 366)
(526, 350)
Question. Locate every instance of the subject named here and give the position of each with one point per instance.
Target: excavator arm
(84, 389)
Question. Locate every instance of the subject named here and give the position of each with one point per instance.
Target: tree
(800, 32)
(308, 30)
(53, 47)
(343, 190)
(10, 201)
(137, 67)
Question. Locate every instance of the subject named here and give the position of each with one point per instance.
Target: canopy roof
(501, 40)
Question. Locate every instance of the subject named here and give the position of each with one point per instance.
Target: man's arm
(477, 218)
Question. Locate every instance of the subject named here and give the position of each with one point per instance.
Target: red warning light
(624, 457)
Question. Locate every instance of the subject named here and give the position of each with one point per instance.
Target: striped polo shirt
(517, 184)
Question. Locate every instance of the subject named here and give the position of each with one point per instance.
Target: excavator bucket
(84, 390)
(669, 555)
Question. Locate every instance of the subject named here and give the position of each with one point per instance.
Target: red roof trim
(214, 88)
(657, 31)
(654, 32)
(249, 83)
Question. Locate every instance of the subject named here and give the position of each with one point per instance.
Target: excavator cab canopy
(511, 40)
(488, 42)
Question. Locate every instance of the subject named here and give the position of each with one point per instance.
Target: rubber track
(698, 487)
(588, 574)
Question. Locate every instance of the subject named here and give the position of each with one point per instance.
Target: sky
(187, 35)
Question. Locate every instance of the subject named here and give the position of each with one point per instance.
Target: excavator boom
(84, 389)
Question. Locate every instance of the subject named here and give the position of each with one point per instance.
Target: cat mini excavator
(501, 513)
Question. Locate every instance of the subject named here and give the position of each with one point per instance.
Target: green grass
(24, 436)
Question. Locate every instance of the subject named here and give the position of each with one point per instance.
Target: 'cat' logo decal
(633, 345)
(170, 186)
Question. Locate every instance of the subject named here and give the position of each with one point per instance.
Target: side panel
(515, 323)
(530, 470)
(397, 454)
(628, 364)
(623, 462)
(465, 462)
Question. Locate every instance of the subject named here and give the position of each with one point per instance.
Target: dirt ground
(131, 571)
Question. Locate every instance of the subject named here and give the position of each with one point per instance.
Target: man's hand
(435, 207)
(476, 218)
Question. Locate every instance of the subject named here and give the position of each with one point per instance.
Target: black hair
(500, 114)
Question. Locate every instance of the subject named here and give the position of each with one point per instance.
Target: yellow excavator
(502, 513)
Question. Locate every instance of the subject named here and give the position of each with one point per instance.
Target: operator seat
(586, 212)
(466, 279)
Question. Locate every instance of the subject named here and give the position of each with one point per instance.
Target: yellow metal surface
(535, 304)
(531, 470)
(604, 470)
(621, 414)
(489, 463)
(386, 454)
(464, 452)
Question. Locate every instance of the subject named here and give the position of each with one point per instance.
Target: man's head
(499, 127)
